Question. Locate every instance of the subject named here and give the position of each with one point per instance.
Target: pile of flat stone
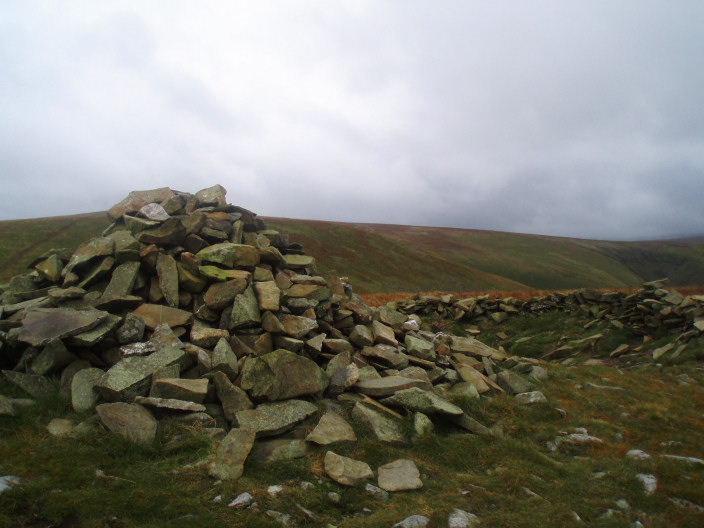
(649, 309)
(188, 309)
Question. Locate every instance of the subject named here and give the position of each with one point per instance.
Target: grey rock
(346, 471)
(154, 212)
(131, 330)
(344, 378)
(224, 359)
(83, 393)
(131, 376)
(462, 519)
(414, 521)
(170, 404)
(513, 383)
(167, 272)
(230, 255)
(34, 385)
(7, 482)
(426, 402)
(279, 449)
(275, 418)
(53, 357)
(245, 310)
(297, 326)
(132, 421)
(332, 428)
(192, 390)
(649, 482)
(231, 454)
(41, 325)
(6, 407)
(422, 425)
(530, 398)
(384, 427)
(231, 397)
(419, 347)
(282, 374)
(386, 355)
(96, 334)
(242, 501)
(399, 475)
(59, 427)
(122, 281)
(376, 492)
(389, 385)
(89, 250)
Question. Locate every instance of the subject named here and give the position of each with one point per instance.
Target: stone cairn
(187, 309)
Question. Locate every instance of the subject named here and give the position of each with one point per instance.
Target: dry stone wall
(644, 312)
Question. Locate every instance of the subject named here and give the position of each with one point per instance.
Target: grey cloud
(545, 117)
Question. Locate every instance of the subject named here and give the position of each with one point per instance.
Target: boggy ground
(514, 480)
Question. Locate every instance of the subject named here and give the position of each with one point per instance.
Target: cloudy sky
(554, 117)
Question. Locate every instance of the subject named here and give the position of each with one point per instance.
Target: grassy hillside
(21, 241)
(388, 258)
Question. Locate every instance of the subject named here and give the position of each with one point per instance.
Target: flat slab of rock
(155, 314)
(332, 428)
(132, 421)
(41, 325)
(138, 199)
(131, 377)
(279, 449)
(231, 397)
(389, 385)
(192, 390)
(530, 398)
(281, 374)
(34, 385)
(419, 400)
(399, 475)
(387, 355)
(297, 326)
(513, 383)
(231, 454)
(270, 419)
(385, 427)
(230, 255)
(471, 346)
(346, 471)
(170, 404)
(83, 393)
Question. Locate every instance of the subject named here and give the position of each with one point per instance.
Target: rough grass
(151, 486)
(388, 258)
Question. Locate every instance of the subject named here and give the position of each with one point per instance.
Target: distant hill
(386, 258)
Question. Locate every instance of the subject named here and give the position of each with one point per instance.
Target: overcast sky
(574, 118)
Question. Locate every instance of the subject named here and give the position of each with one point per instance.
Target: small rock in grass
(637, 454)
(334, 497)
(59, 427)
(414, 521)
(283, 519)
(241, 501)
(529, 398)
(399, 475)
(685, 459)
(462, 519)
(376, 492)
(273, 491)
(650, 483)
(7, 482)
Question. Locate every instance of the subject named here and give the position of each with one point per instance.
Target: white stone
(650, 483)
(637, 454)
(462, 519)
